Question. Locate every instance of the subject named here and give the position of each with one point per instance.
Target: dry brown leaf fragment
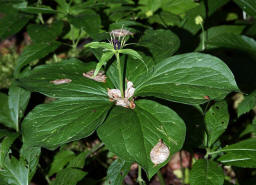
(159, 153)
(100, 77)
(115, 95)
(120, 32)
(61, 81)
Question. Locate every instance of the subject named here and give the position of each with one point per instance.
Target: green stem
(204, 39)
(121, 87)
(160, 177)
(140, 179)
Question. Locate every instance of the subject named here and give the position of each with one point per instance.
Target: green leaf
(206, 172)
(14, 172)
(33, 52)
(117, 171)
(161, 43)
(31, 156)
(103, 45)
(40, 33)
(188, 78)
(103, 61)
(69, 176)
(5, 117)
(18, 100)
(133, 54)
(249, 6)
(233, 41)
(178, 6)
(60, 160)
(11, 20)
(135, 69)
(165, 18)
(41, 79)
(247, 104)
(79, 160)
(213, 32)
(216, 120)
(148, 7)
(241, 154)
(213, 6)
(7, 141)
(36, 10)
(64, 120)
(131, 134)
(188, 22)
(89, 21)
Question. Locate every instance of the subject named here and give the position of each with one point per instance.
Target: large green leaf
(11, 20)
(6, 142)
(249, 6)
(33, 52)
(206, 172)
(39, 33)
(14, 172)
(213, 32)
(117, 171)
(131, 134)
(233, 41)
(247, 104)
(17, 101)
(41, 80)
(161, 43)
(64, 120)
(5, 116)
(216, 120)
(60, 160)
(89, 20)
(191, 78)
(178, 6)
(241, 154)
(31, 156)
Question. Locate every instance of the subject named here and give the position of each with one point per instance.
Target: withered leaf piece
(120, 32)
(100, 77)
(159, 153)
(61, 81)
(115, 95)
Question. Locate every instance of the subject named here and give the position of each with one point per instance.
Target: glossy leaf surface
(51, 125)
(17, 101)
(42, 79)
(206, 172)
(241, 154)
(191, 78)
(33, 52)
(131, 134)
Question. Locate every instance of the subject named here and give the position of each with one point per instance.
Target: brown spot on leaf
(100, 77)
(61, 81)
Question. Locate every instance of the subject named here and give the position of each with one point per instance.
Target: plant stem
(140, 179)
(160, 177)
(204, 39)
(121, 87)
